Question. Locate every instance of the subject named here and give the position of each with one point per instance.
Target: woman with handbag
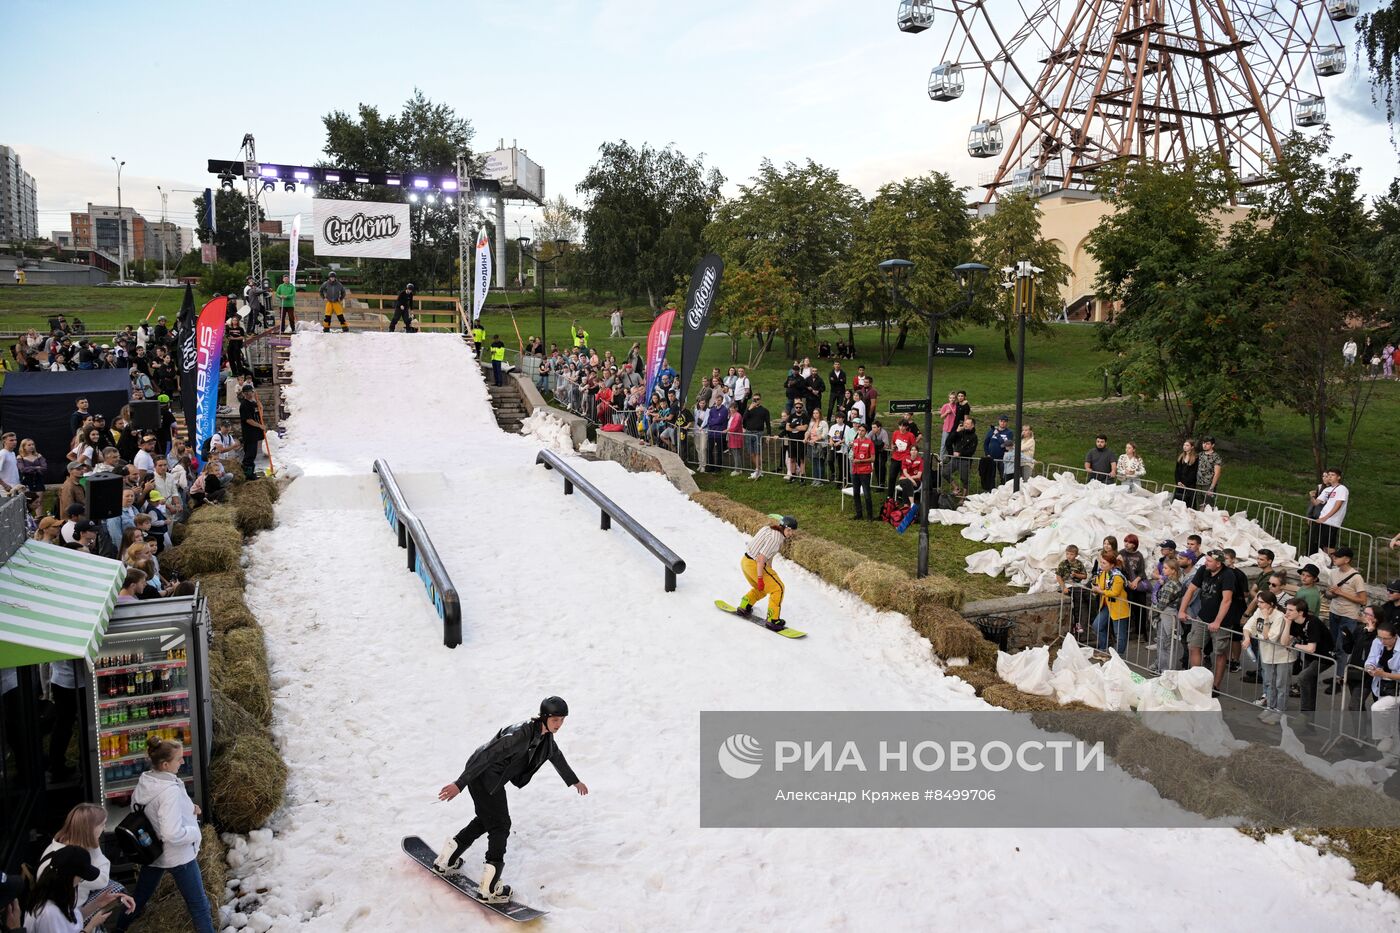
(174, 818)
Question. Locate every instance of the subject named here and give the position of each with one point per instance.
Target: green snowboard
(756, 620)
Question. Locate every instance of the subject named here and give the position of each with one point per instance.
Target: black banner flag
(187, 356)
(704, 285)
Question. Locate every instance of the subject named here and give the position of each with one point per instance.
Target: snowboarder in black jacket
(403, 310)
(513, 756)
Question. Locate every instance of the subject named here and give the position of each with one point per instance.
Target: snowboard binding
(491, 890)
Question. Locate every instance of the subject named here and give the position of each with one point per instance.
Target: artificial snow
(374, 715)
(549, 430)
(1051, 513)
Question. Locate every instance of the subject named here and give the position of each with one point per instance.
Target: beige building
(1066, 219)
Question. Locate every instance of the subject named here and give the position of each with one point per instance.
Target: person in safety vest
(498, 359)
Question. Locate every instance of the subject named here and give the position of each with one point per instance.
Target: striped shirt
(768, 542)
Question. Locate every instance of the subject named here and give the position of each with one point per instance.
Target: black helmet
(553, 706)
(789, 522)
(408, 287)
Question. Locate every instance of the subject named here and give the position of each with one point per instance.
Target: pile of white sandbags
(1050, 513)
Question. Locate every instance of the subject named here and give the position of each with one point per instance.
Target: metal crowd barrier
(611, 512)
(423, 558)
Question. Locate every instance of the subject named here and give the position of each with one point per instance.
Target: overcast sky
(168, 85)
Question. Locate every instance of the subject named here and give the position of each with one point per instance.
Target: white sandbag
(1349, 771)
(1027, 671)
(1120, 690)
(988, 562)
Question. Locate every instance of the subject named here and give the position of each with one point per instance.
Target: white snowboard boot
(444, 864)
(491, 890)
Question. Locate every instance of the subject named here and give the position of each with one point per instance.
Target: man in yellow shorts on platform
(758, 570)
(334, 294)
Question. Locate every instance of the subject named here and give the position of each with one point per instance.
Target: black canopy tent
(38, 405)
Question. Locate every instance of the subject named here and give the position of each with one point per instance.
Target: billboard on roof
(519, 175)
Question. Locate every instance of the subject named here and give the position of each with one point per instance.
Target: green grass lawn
(101, 309)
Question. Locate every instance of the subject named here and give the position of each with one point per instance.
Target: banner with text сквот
(370, 229)
(704, 285)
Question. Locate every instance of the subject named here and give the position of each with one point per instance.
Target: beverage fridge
(150, 678)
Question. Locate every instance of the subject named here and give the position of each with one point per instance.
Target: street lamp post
(163, 203)
(1025, 306)
(121, 225)
(898, 270)
(524, 244)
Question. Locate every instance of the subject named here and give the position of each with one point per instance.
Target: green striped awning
(55, 603)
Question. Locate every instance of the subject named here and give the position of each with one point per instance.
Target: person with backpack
(52, 905)
(174, 819)
(512, 756)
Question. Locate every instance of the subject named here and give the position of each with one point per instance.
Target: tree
(1378, 35)
(797, 219)
(1005, 237)
(923, 220)
(230, 236)
(757, 304)
(1182, 335)
(1385, 249)
(1311, 280)
(424, 136)
(644, 213)
(557, 235)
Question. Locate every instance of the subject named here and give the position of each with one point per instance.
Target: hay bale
(230, 579)
(1110, 728)
(212, 547)
(243, 672)
(1182, 773)
(165, 912)
(1288, 794)
(828, 560)
(233, 471)
(246, 783)
(951, 635)
(212, 512)
(1008, 697)
(978, 677)
(253, 504)
(231, 720)
(227, 610)
(984, 653)
(912, 594)
(874, 582)
(1375, 854)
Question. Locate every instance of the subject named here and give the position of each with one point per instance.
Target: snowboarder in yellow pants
(758, 571)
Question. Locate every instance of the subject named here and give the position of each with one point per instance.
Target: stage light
(289, 186)
(311, 190)
(412, 198)
(268, 171)
(449, 184)
(269, 185)
(362, 179)
(483, 203)
(226, 180)
(420, 182)
(393, 181)
(332, 177)
(447, 200)
(430, 199)
(301, 174)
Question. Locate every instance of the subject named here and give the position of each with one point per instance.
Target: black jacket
(510, 757)
(404, 302)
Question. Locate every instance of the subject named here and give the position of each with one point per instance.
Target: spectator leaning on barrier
(1130, 467)
(1266, 633)
(1310, 642)
(757, 425)
(997, 440)
(1100, 462)
(1346, 597)
(1071, 575)
(1111, 588)
(1216, 584)
(1169, 632)
(1383, 666)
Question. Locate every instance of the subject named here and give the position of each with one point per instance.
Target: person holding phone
(1383, 666)
(52, 904)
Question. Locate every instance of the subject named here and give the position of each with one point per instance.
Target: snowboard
(759, 620)
(423, 854)
(909, 517)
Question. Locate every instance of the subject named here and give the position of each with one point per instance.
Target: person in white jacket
(175, 819)
(1270, 627)
(83, 828)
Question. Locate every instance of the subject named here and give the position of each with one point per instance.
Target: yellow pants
(772, 587)
(337, 309)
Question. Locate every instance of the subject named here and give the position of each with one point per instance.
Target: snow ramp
(374, 715)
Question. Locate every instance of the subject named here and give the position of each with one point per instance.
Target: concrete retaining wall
(641, 458)
(1037, 617)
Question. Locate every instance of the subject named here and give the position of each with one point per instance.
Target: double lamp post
(524, 244)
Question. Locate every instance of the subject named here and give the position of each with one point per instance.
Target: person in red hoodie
(901, 442)
(734, 435)
(862, 467)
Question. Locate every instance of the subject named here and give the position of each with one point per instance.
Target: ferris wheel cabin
(1311, 111)
(946, 82)
(917, 15)
(984, 141)
(1340, 10)
(1331, 60)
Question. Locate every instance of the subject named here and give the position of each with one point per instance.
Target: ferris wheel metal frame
(1083, 85)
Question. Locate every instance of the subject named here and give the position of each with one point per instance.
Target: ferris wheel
(1067, 88)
